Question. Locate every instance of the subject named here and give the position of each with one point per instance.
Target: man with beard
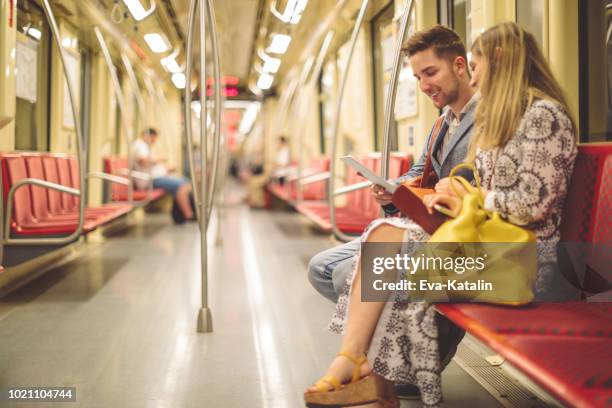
(439, 63)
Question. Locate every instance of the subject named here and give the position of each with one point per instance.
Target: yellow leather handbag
(501, 256)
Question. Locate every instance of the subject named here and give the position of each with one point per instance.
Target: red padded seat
(360, 208)
(565, 347)
(23, 221)
(315, 191)
(119, 166)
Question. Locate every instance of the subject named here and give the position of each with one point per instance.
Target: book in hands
(369, 174)
(409, 200)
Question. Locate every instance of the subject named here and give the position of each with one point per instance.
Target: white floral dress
(527, 181)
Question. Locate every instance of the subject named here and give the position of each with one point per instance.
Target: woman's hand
(444, 187)
(450, 202)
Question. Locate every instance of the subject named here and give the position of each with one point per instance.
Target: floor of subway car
(119, 323)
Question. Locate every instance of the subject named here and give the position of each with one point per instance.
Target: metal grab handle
(121, 103)
(352, 187)
(390, 103)
(332, 169)
(148, 13)
(9, 209)
(109, 177)
(79, 142)
(210, 13)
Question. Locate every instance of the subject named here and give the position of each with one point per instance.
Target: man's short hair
(444, 41)
(150, 132)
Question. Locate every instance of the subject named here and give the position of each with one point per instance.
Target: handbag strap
(466, 184)
(432, 141)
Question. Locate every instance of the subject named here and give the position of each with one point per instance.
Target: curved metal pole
(141, 109)
(187, 107)
(332, 164)
(122, 108)
(297, 105)
(204, 316)
(79, 140)
(390, 103)
(316, 71)
(210, 14)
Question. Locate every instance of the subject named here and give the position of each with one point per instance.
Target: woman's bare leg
(362, 316)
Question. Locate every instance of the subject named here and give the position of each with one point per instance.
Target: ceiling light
(271, 66)
(179, 80)
(66, 42)
(170, 64)
(265, 81)
(248, 118)
(280, 43)
(137, 11)
(157, 42)
(297, 12)
(33, 32)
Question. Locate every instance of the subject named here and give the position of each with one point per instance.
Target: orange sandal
(360, 391)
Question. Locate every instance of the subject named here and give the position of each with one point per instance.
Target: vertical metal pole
(390, 103)
(332, 164)
(205, 316)
(122, 108)
(218, 105)
(187, 107)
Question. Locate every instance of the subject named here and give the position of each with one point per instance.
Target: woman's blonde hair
(516, 75)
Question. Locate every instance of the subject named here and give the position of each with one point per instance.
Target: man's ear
(460, 65)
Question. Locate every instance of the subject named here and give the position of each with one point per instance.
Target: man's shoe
(407, 391)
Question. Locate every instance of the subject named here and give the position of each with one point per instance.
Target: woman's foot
(341, 368)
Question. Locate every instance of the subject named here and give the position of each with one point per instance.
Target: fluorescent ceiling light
(293, 11)
(170, 64)
(280, 43)
(33, 32)
(265, 81)
(179, 80)
(137, 11)
(66, 42)
(297, 12)
(248, 118)
(271, 66)
(157, 42)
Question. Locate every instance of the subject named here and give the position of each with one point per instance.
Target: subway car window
(456, 14)
(595, 67)
(32, 78)
(530, 15)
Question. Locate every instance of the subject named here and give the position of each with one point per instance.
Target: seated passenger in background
(439, 62)
(179, 187)
(524, 148)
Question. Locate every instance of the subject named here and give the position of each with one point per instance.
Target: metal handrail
(120, 102)
(149, 12)
(352, 187)
(390, 103)
(9, 211)
(79, 143)
(331, 188)
(109, 177)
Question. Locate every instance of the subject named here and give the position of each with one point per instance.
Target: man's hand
(382, 196)
(414, 182)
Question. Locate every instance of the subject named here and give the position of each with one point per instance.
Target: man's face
(437, 77)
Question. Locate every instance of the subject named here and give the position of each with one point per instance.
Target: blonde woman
(524, 148)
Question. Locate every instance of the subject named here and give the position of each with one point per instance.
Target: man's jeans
(328, 270)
